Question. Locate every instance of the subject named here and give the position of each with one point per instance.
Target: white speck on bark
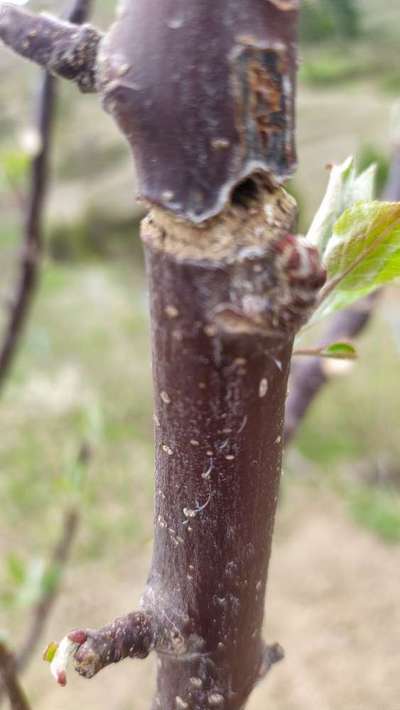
(263, 387)
(171, 311)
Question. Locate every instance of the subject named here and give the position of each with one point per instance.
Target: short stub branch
(62, 48)
(130, 636)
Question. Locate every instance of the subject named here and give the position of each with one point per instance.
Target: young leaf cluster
(358, 239)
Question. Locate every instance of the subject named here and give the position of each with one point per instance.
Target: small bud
(78, 636)
(61, 656)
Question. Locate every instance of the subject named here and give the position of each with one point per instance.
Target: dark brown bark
(217, 477)
(220, 393)
(130, 636)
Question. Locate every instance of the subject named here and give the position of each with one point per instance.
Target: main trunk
(220, 390)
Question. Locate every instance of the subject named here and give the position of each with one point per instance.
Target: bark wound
(264, 114)
(274, 276)
(230, 68)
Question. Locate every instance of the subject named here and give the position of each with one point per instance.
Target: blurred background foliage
(82, 377)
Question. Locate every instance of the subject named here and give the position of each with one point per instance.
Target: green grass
(82, 376)
(377, 510)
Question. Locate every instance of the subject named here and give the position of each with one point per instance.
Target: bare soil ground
(333, 604)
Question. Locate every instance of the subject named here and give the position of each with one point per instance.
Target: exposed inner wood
(258, 213)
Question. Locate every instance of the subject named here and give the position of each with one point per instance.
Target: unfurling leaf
(340, 351)
(345, 188)
(362, 254)
(50, 651)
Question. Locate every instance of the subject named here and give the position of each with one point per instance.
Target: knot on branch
(274, 288)
(272, 654)
(130, 636)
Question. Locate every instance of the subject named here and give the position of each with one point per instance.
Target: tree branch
(130, 636)
(56, 45)
(32, 247)
(44, 606)
(8, 675)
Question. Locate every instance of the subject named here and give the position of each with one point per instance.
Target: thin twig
(32, 246)
(310, 376)
(9, 678)
(44, 606)
(33, 241)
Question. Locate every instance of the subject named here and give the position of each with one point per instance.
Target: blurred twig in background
(27, 281)
(32, 243)
(31, 253)
(41, 611)
(9, 678)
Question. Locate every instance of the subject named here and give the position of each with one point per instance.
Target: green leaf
(362, 254)
(50, 652)
(345, 188)
(340, 351)
(336, 351)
